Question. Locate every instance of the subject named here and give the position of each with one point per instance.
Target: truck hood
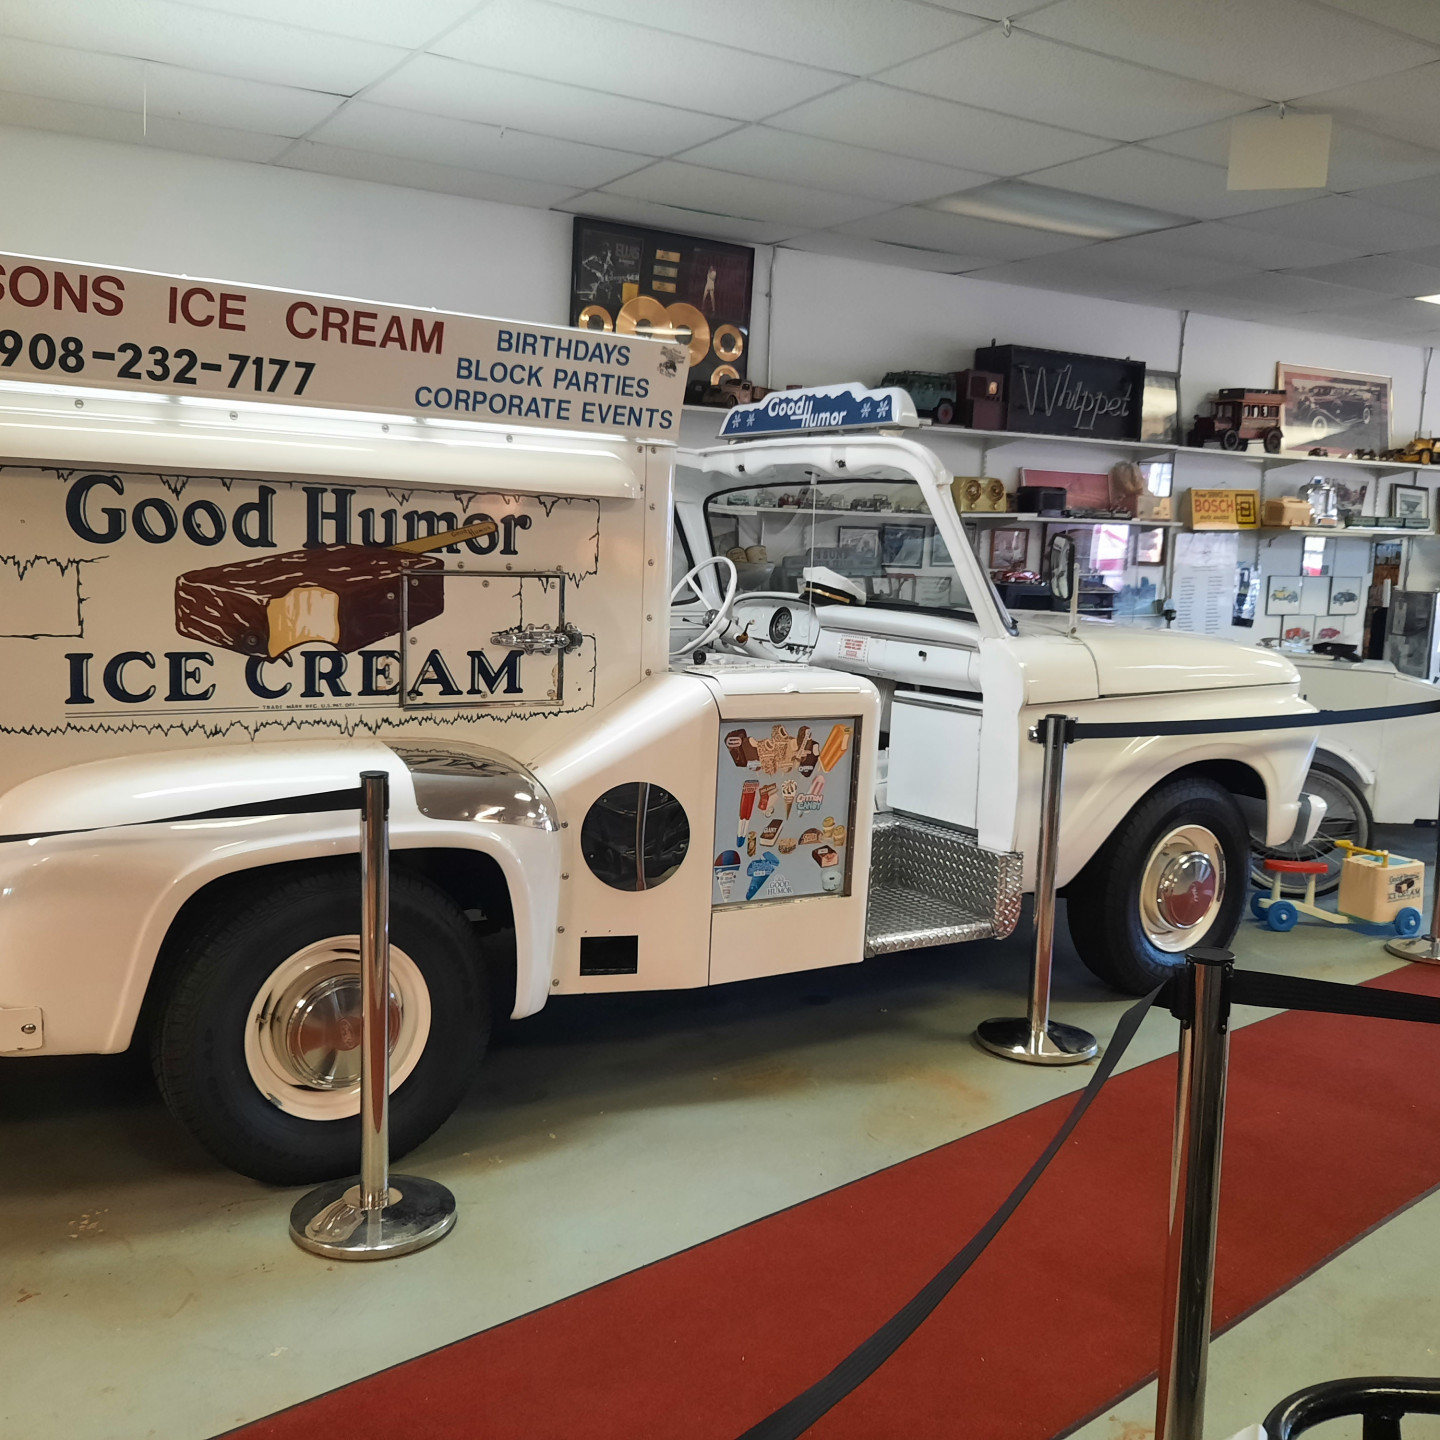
(1132, 661)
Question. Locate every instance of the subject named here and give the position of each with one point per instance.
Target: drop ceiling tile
(962, 234)
(162, 91)
(1391, 275)
(941, 131)
(408, 25)
(411, 136)
(1038, 79)
(1252, 249)
(1357, 157)
(422, 175)
(605, 206)
(1291, 292)
(177, 34)
(1406, 106)
(856, 37)
(1151, 267)
(102, 123)
(436, 85)
(531, 37)
(1056, 272)
(1163, 182)
(694, 187)
(1404, 316)
(1414, 17)
(1422, 255)
(1418, 197)
(1341, 220)
(804, 160)
(909, 257)
(995, 9)
(1278, 49)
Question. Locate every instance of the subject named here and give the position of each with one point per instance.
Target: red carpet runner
(1332, 1127)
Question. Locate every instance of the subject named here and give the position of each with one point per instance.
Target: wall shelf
(1014, 517)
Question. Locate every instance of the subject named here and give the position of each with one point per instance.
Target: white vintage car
(211, 612)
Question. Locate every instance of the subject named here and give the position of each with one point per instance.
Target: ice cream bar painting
(773, 778)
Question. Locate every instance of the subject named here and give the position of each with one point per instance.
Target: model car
(1239, 416)
(1420, 451)
(729, 391)
(934, 392)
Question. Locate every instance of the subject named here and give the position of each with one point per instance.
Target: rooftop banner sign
(63, 323)
(824, 407)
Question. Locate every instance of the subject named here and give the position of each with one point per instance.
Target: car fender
(85, 914)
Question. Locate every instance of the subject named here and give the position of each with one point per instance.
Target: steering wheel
(721, 617)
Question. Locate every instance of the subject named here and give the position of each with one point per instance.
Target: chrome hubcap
(1182, 887)
(302, 1037)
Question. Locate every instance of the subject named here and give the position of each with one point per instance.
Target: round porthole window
(635, 836)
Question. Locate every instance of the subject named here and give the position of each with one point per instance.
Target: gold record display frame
(695, 293)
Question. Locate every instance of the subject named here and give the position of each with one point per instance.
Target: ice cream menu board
(783, 816)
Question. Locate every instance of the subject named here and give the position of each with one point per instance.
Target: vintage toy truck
(452, 558)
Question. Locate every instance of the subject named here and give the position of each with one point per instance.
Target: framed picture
(1297, 630)
(1315, 594)
(1346, 593)
(1410, 502)
(633, 281)
(1282, 595)
(1160, 409)
(902, 545)
(1337, 411)
(1149, 545)
(860, 542)
(939, 552)
(1008, 548)
(1351, 497)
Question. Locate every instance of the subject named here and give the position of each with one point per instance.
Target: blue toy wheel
(1282, 915)
(1407, 921)
(1257, 904)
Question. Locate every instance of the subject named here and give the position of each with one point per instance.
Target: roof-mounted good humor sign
(824, 407)
(108, 328)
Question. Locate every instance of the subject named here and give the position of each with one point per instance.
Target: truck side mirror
(1062, 567)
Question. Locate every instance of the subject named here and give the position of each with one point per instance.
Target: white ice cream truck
(258, 542)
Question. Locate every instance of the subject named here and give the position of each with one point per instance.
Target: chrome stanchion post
(378, 1214)
(1194, 1194)
(1425, 948)
(1035, 1038)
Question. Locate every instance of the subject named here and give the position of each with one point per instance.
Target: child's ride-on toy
(1372, 891)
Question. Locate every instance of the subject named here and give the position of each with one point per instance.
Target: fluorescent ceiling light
(1063, 212)
(1429, 299)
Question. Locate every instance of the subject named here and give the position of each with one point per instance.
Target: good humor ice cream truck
(258, 542)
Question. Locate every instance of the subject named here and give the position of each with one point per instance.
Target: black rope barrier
(318, 804)
(796, 1416)
(1247, 987)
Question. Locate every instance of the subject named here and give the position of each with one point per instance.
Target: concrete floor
(605, 1133)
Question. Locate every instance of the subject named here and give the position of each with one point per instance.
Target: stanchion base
(1424, 948)
(329, 1221)
(1010, 1038)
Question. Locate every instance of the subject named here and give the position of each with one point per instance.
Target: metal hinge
(22, 1029)
(539, 639)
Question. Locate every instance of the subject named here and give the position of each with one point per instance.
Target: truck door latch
(540, 639)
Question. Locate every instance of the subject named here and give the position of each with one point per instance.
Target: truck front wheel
(1172, 876)
(257, 1043)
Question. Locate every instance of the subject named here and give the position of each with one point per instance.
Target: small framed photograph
(939, 552)
(860, 542)
(1008, 548)
(1149, 545)
(1297, 630)
(1282, 595)
(902, 545)
(1315, 594)
(1346, 594)
(1410, 502)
